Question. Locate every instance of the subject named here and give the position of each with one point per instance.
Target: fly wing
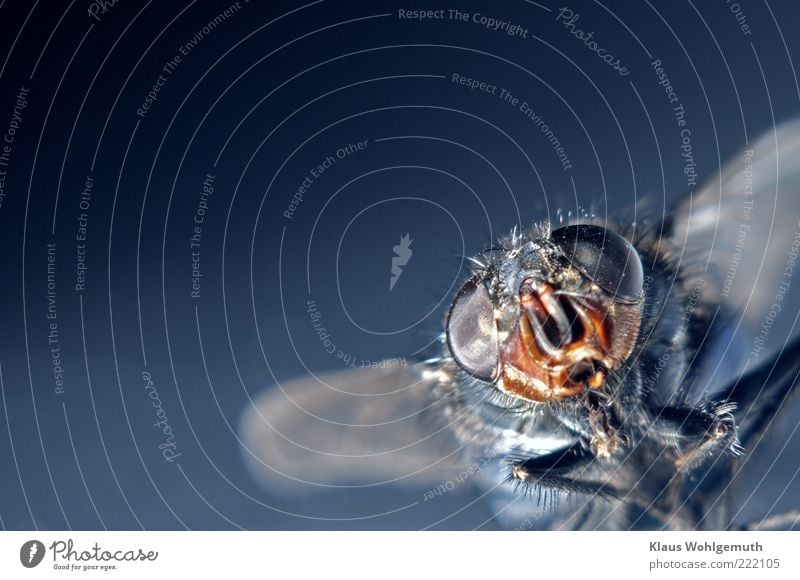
(739, 235)
(353, 428)
(742, 229)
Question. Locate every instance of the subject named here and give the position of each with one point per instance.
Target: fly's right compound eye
(604, 257)
(472, 332)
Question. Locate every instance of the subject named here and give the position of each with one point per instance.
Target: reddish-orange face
(574, 315)
(564, 344)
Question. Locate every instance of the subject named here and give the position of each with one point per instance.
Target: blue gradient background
(265, 97)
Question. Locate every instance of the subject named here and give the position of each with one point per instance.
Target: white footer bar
(406, 555)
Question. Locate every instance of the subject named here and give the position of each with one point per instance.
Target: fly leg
(605, 438)
(761, 393)
(561, 471)
(697, 434)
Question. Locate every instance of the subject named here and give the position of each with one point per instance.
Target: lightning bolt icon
(34, 549)
(402, 255)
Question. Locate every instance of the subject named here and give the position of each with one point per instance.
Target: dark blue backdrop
(214, 115)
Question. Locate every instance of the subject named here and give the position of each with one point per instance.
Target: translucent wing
(352, 428)
(741, 233)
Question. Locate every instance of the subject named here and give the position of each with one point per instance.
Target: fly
(588, 359)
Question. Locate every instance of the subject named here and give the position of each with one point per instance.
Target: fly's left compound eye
(472, 333)
(603, 256)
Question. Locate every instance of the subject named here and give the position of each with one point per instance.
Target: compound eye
(472, 333)
(603, 256)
